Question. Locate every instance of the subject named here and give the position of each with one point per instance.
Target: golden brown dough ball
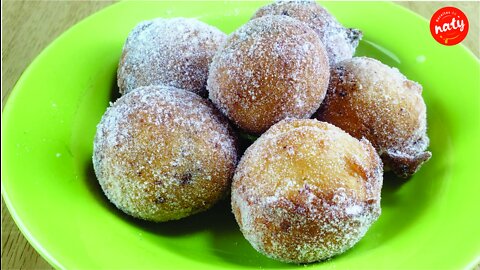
(175, 52)
(369, 99)
(271, 68)
(306, 191)
(162, 153)
(340, 42)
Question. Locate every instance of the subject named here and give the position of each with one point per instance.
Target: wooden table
(29, 26)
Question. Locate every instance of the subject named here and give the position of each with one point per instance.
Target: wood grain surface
(29, 26)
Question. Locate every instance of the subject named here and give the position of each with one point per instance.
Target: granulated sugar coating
(271, 68)
(175, 52)
(162, 153)
(340, 42)
(369, 99)
(306, 191)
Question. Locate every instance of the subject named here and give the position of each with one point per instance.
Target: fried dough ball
(174, 52)
(306, 191)
(369, 99)
(340, 42)
(162, 153)
(271, 68)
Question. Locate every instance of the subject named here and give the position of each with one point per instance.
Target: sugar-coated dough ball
(369, 99)
(162, 153)
(271, 68)
(340, 42)
(175, 52)
(306, 191)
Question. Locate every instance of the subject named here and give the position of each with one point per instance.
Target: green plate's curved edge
(27, 71)
(475, 263)
(5, 115)
(30, 238)
(426, 21)
(6, 111)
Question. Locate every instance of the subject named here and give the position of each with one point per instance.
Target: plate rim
(24, 76)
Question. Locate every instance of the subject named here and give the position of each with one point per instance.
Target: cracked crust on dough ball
(369, 99)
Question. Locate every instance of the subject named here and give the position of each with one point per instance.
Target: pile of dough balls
(328, 124)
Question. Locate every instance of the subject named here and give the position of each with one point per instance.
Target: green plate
(48, 184)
